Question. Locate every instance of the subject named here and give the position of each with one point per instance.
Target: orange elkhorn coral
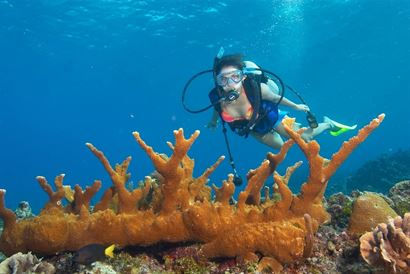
(174, 206)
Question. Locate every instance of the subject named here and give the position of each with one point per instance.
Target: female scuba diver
(249, 104)
(247, 100)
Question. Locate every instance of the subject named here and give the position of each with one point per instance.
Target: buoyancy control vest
(267, 110)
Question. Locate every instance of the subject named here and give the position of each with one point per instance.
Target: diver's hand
(302, 107)
(212, 125)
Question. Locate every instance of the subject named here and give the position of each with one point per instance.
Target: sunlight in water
(288, 20)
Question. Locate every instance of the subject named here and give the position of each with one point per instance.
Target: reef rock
(400, 195)
(340, 207)
(381, 174)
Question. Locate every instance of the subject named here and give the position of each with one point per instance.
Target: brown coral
(181, 208)
(25, 263)
(388, 245)
(369, 210)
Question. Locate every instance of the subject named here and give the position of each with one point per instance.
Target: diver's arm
(269, 95)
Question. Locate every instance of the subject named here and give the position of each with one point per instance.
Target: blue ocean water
(73, 72)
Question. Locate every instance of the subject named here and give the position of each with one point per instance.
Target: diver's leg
(308, 134)
(271, 139)
(279, 128)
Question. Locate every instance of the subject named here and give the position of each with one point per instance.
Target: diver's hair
(235, 60)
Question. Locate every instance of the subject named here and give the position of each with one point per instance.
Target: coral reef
(333, 252)
(181, 209)
(340, 208)
(400, 195)
(388, 245)
(381, 174)
(369, 210)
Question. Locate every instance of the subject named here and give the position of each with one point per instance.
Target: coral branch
(276, 159)
(83, 198)
(119, 177)
(339, 157)
(197, 188)
(204, 177)
(176, 207)
(290, 170)
(255, 183)
(257, 177)
(158, 161)
(286, 195)
(309, 200)
(169, 166)
(186, 163)
(105, 200)
(6, 214)
(170, 169)
(224, 194)
(288, 124)
(55, 197)
(309, 236)
(281, 186)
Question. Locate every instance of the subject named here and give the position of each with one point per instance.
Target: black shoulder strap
(254, 94)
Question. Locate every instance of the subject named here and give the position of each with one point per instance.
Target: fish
(93, 252)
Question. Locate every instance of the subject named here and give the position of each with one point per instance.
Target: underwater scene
(232, 136)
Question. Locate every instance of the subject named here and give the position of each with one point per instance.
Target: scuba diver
(254, 91)
(246, 99)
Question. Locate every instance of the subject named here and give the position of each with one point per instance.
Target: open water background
(94, 71)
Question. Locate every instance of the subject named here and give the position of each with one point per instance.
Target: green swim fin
(337, 128)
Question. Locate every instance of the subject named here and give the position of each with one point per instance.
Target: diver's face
(230, 78)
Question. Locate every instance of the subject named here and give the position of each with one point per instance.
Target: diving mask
(226, 78)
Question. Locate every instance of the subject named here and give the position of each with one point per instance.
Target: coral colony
(388, 244)
(176, 207)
